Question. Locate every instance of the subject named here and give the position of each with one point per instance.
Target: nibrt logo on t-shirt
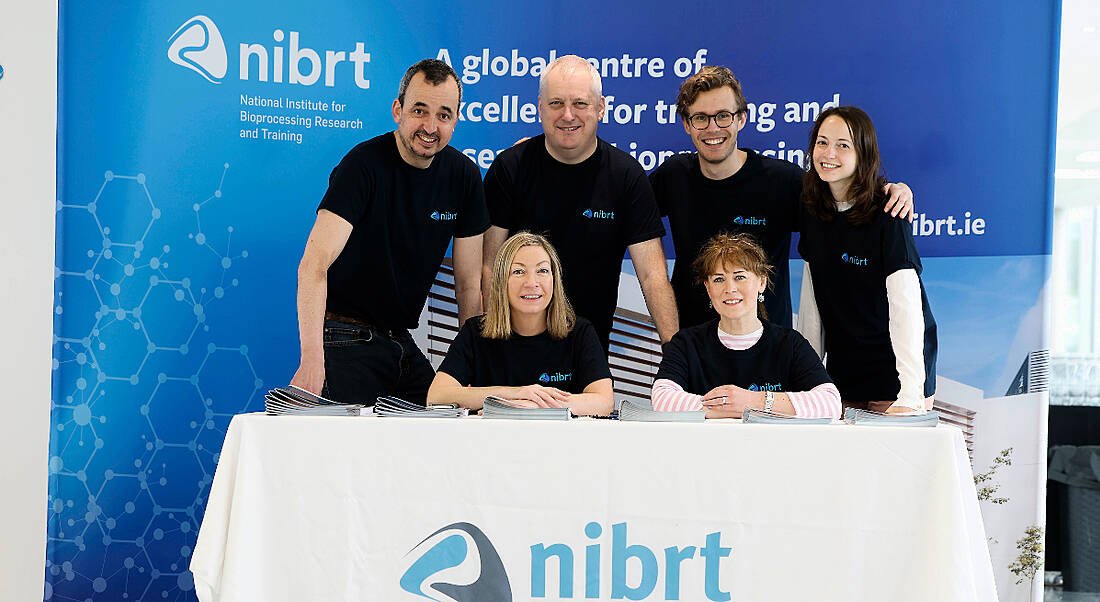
(556, 377)
(444, 216)
(852, 259)
(750, 220)
(598, 214)
(766, 387)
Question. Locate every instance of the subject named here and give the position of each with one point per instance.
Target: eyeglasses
(722, 119)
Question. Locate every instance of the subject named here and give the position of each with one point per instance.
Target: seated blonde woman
(739, 360)
(529, 347)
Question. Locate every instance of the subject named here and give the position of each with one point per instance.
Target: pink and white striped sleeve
(671, 397)
(819, 402)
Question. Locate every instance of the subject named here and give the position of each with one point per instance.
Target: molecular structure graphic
(143, 392)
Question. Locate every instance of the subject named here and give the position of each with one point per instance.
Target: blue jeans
(362, 363)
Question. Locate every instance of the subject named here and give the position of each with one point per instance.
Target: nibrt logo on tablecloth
(198, 45)
(443, 561)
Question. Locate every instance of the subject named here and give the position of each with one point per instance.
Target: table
(317, 508)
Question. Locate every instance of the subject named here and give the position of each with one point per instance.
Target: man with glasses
(590, 199)
(723, 188)
(392, 206)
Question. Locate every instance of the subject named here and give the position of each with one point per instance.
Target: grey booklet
(293, 401)
(857, 416)
(395, 406)
(632, 412)
(755, 416)
(496, 407)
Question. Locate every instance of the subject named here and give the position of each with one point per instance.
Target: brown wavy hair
(866, 191)
(733, 250)
(708, 78)
(497, 323)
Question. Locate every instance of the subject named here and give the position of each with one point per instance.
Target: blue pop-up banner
(196, 140)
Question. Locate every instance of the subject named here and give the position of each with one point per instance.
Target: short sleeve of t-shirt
(644, 218)
(460, 360)
(674, 362)
(795, 183)
(807, 371)
(349, 189)
(899, 250)
(498, 186)
(474, 217)
(657, 179)
(590, 360)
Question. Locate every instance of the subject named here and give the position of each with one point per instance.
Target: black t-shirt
(403, 218)
(849, 265)
(569, 364)
(761, 199)
(782, 360)
(590, 211)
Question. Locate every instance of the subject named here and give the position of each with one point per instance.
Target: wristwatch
(769, 400)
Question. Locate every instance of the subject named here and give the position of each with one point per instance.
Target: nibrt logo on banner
(198, 45)
(443, 564)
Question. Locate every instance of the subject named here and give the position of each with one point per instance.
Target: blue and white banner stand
(196, 139)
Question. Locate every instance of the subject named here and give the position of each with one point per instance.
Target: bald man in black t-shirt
(589, 198)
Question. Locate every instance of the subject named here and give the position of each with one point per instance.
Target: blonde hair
(497, 323)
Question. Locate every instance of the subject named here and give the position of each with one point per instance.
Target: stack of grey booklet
(495, 407)
(395, 406)
(755, 416)
(293, 401)
(632, 412)
(865, 417)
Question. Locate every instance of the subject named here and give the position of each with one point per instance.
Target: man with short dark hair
(589, 198)
(393, 204)
(723, 188)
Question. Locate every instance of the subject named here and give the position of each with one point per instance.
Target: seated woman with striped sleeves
(739, 360)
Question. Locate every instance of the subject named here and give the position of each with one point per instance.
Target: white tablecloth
(309, 508)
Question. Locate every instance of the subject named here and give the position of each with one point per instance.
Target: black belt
(393, 334)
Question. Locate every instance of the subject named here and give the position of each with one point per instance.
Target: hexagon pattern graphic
(139, 408)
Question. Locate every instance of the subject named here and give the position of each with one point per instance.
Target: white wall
(1019, 422)
(28, 128)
